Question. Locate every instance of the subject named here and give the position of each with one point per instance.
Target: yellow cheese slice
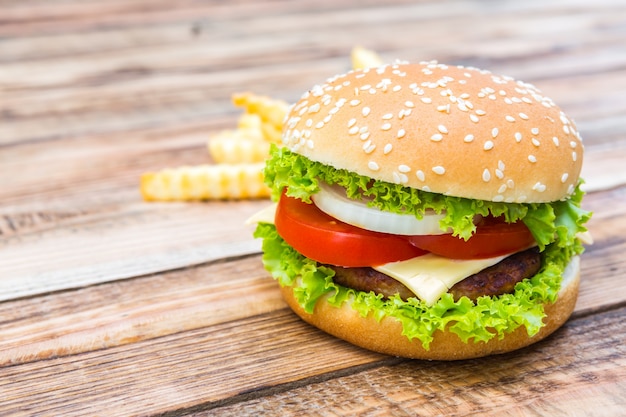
(264, 216)
(430, 276)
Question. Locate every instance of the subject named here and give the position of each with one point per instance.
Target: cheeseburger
(427, 211)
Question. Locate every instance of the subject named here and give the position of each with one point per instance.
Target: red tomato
(493, 237)
(325, 239)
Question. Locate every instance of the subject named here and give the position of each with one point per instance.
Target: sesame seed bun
(447, 129)
(386, 336)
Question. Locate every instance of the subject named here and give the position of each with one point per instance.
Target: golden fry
(205, 182)
(364, 58)
(238, 147)
(271, 112)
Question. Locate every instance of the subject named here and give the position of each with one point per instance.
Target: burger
(427, 211)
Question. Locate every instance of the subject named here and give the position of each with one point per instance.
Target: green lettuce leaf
(482, 320)
(547, 221)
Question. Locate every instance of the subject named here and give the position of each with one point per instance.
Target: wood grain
(112, 306)
(550, 378)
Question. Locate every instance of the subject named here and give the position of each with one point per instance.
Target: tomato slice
(325, 239)
(493, 237)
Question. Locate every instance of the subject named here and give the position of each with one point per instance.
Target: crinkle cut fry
(205, 182)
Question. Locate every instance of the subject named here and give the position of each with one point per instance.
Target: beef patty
(494, 280)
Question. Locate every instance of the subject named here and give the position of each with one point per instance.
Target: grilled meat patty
(495, 280)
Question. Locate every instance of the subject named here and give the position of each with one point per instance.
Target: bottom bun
(386, 337)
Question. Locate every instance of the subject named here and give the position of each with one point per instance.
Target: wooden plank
(180, 370)
(258, 357)
(582, 367)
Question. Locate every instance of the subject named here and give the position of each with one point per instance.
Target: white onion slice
(333, 201)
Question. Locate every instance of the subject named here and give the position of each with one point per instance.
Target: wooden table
(113, 306)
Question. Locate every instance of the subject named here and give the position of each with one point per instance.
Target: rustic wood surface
(113, 306)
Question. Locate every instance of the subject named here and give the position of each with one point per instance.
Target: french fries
(238, 154)
(238, 147)
(271, 112)
(205, 182)
(364, 58)
(257, 128)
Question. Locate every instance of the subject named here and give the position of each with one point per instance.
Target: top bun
(447, 129)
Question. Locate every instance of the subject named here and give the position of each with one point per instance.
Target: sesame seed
(439, 170)
(574, 156)
(468, 138)
(532, 158)
(426, 188)
(327, 118)
(442, 129)
(314, 108)
(404, 168)
(386, 126)
(401, 133)
(388, 147)
(444, 108)
(319, 125)
(509, 118)
(373, 166)
(535, 142)
(420, 175)
(573, 144)
(539, 187)
(527, 100)
(370, 149)
(310, 144)
(564, 177)
(523, 116)
(534, 130)
(502, 188)
(570, 189)
(488, 145)
(486, 175)
(351, 122)
(388, 116)
(494, 132)
(309, 123)
(353, 130)
(555, 140)
(499, 174)
(566, 129)
(481, 112)
(473, 118)
(355, 102)
(397, 88)
(365, 111)
(436, 137)
(501, 165)
(409, 104)
(365, 135)
(426, 100)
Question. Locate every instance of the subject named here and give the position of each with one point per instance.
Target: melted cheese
(264, 216)
(430, 276)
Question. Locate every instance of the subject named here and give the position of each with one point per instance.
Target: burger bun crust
(447, 129)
